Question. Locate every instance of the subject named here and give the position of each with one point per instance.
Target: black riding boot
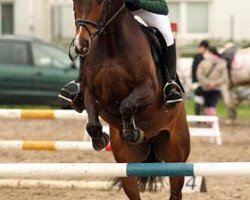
(172, 91)
(73, 94)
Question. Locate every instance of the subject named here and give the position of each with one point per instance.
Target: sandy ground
(236, 147)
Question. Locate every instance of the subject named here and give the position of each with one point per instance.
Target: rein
(100, 26)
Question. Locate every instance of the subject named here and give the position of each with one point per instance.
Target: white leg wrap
(161, 22)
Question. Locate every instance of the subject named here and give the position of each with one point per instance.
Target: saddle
(157, 44)
(158, 50)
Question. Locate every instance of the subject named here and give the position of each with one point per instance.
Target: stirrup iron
(177, 87)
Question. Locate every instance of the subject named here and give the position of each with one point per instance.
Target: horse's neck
(118, 35)
(110, 42)
(114, 30)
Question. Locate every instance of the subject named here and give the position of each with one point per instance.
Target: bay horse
(120, 85)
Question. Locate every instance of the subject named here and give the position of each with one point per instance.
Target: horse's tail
(151, 184)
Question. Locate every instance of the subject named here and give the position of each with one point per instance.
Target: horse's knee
(127, 109)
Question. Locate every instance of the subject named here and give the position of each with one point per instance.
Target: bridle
(99, 26)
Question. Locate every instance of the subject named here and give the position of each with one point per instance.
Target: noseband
(100, 26)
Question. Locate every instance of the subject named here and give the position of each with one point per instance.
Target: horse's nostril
(81, 47)
(85, 46)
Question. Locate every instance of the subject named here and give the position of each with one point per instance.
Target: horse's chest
(112, 84)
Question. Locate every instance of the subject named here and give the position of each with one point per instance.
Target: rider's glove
(132, 4)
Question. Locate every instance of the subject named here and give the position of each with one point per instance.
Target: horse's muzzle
(82, 48)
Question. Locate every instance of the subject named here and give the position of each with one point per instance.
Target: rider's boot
(72, 92)
(172, 91)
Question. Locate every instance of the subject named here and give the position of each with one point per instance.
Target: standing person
(212, 75)
(198, 98)
(155, 14)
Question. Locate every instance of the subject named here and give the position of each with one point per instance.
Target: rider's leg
(172, 90)
(162, 23)
(72, 92)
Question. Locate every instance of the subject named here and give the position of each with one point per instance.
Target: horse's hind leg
(130, 187)
(176, 185)
(168, 152)
(173, 147)
(126, 153)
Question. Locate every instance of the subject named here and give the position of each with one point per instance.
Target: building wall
(31, 17)
(225, 19)
(54, 18)
(62, 19)
(221, 13)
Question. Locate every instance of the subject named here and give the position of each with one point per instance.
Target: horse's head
(90, 15)
(91, 18)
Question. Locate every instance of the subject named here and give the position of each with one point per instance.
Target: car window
(14, 52)
(50, 56)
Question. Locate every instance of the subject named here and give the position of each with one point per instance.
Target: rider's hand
(132, 4)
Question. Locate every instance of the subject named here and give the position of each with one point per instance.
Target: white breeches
(161, 22)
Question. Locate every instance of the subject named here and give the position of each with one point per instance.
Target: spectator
(212, 75)
(198, 98)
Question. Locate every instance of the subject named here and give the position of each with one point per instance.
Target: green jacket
(154, 6)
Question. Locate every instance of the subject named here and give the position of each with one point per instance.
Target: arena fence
(212, 131)
(47, 145)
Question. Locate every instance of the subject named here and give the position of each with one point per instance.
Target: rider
(154, 13)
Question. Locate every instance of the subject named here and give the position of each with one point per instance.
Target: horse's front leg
(141, 96)
(94, 127)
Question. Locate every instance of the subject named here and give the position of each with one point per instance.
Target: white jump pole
(41, 114)
(79, 170)
(47, 145)
(54, 184)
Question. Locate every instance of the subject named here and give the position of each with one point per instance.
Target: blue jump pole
(160, 169)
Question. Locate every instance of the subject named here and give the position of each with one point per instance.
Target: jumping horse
(120, 85)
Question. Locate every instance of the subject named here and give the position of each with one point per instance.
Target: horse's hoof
(100, 144)
(136, 137)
